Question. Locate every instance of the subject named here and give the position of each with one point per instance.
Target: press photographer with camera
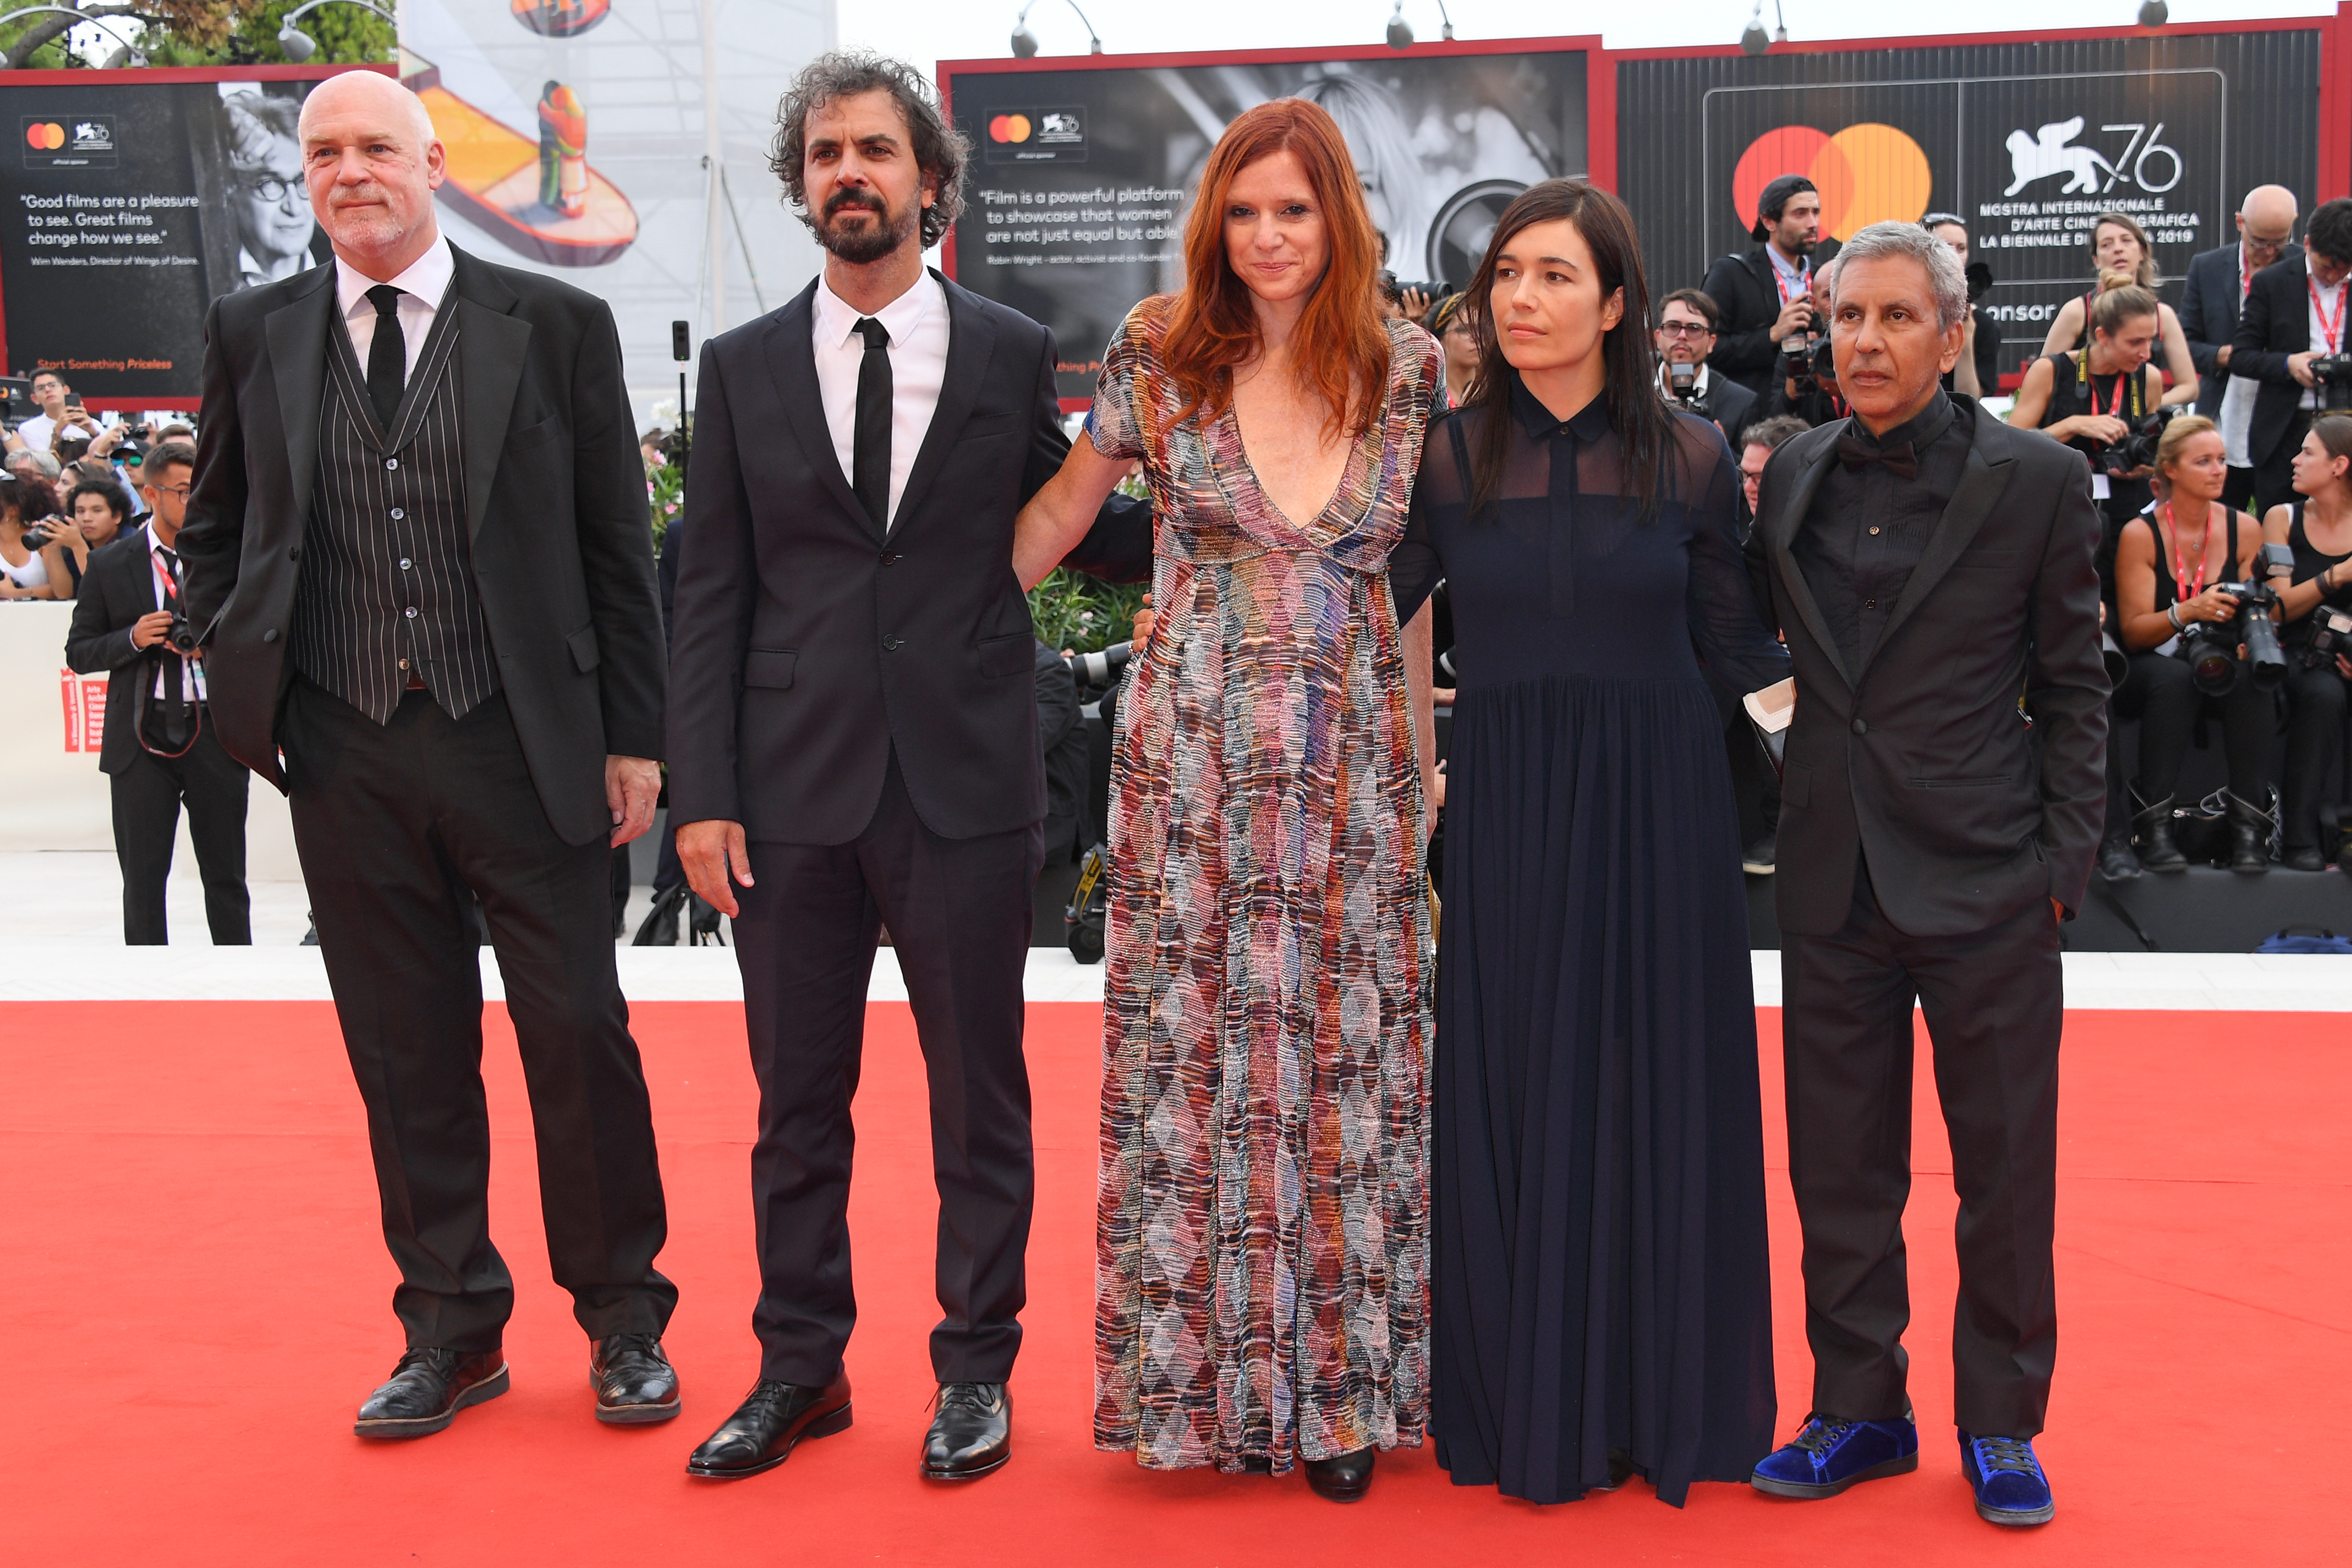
(1978, 373)
(2291, 338)
(1455, 329)
(2317, 609)
(2194, 607)
(2102, 401)
(2215, 286)
(34, 562)
(1686, 336)
(2119, 244)
(1760, 297)
(1806, 385)
(159, 752)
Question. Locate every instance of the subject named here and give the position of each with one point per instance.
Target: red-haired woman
(1262, 1243)
(1598, 1279)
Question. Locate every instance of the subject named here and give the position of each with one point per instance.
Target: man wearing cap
(1760, 297)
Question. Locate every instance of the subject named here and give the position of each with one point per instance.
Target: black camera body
(180, 636)
(2331, 637)
(1980, 278)
(2210, 647)
(2137, 449)
(2331, 375)
(1682, 384)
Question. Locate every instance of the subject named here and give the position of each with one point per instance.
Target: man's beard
(868, 243)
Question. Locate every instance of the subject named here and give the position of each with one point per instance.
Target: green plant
(1082, 614)
(665, 494)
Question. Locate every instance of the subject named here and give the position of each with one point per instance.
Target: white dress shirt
(193, 669)
(422, 288)
(916, 322)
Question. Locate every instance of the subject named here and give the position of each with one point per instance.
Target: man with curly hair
(854, 740)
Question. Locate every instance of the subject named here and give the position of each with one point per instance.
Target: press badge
(2099, 486)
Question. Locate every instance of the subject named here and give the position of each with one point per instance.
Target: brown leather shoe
(767, 1426)
(635, 1382)
(428, 1389)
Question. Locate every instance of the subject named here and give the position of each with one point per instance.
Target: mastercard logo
(1009, 128)
(1865, 174)
(46, 135)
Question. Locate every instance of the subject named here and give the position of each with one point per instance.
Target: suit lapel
(297, 336)
(970, 340)
(1783, 535)
(491, 344)
(789, 347)
(1980, 485)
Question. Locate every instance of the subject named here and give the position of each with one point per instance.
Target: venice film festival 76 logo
(1874, 173)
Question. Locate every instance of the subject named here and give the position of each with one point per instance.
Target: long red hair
(1212, 328)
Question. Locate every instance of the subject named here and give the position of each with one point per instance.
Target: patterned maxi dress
(1262, 1246)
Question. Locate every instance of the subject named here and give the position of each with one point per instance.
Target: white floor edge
(2168, 980)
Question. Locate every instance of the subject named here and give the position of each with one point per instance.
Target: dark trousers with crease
(147, 796)
(400, 827)
(1993, 1000)
(958, 913)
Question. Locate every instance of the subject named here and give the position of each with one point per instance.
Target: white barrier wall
(57, 798)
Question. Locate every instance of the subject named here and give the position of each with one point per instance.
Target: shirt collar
(428, 277)
(1781, 265)
(836, 319)
(1921, 431)
(1591, 421)
(153, 543)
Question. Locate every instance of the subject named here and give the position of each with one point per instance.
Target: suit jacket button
(890, 645)
(270, 636)
(890, 558)
(1861, 727)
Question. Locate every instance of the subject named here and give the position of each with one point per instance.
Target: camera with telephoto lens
(1097, 669)
(2210, 647)
(2331, 376)
(1815, 364)
(2137, 449)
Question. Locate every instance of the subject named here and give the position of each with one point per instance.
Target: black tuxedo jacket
(1731, 405)
(2208, 318)
(1747, 303)
(117, 588)
(805, 646)
(2274, 323)
(1922, 758)
(555, 513)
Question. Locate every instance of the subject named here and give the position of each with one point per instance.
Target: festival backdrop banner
(2028, 142)
(1081, 175)
(132, 201)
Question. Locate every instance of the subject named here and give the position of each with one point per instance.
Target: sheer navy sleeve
(1416, 567)
(1732, 634)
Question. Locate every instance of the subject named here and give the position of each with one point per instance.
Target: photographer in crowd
(1456, 331)
(1806, 385)
(2095, 399)
(1686, 336)
(2290, 331)
(50, 393)
(38, 560)
(101, 512)
(1755, 782)
(2119, 244)
(1756, 444)
(160, 751)
(2174, 613)
(1762, 297)
(1977, 373)
(2317, 607)
(2217, 284)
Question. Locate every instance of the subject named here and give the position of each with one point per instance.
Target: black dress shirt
(1868, 526)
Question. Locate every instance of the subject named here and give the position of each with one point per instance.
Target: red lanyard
(1804, 280)
(2332, 330)
(164, 580)
(2246, 273)
(2186, 585)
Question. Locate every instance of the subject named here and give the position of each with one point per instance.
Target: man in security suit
(1927, 565)
(418, 543)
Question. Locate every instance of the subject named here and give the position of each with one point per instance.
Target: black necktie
(175, 669)
(870, 449)
(1856, 453)
(387, 365)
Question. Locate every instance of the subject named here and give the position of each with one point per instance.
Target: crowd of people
(73, 485)
(1477, 1159)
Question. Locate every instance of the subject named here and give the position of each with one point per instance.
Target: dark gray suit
(1927, 822)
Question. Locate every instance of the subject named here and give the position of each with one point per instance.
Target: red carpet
(197, 1299)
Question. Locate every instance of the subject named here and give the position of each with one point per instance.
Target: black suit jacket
(2208, 316)
(2274, 323)
(555, 514)
(805, 646)
(117, 588)
(1921, 759)
(1747, 303)
(1731, 405)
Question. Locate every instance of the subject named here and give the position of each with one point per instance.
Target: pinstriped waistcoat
(388, 583)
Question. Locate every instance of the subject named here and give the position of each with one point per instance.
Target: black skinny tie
(870, 449)
(387, 365)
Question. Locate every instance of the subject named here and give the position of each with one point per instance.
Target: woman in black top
(2120, 247)
(2319, 528)
(2167, 565)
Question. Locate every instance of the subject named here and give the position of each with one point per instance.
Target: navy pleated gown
(1598, 1263)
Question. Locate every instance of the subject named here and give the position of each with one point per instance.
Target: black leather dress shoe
(767, 1426)
(635, 1382)
(1343, 1480)
(428, 1388)
(971, 1435)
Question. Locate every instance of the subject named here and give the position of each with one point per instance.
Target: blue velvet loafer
(2010, 1488)
(1831, 1454)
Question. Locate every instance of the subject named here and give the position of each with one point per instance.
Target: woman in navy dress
(1600, 1301)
